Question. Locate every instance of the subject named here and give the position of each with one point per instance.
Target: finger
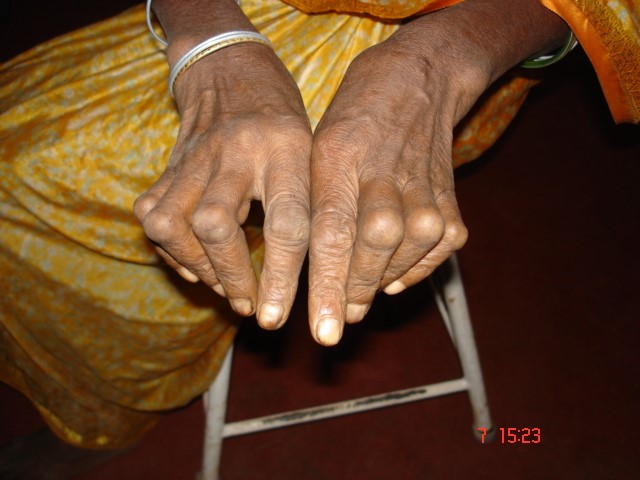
(182, 271)
(424, 228)
(454, 237)
(380, 231)
(334, 192)
(147, 202)
(436, 222)
(168, 223)
(215, 224)
(286, 233)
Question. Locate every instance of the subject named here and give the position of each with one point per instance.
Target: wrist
(466, 47)
(239, 81)
(215, 73)
(187, 23)
(211, 46)
(491, 36)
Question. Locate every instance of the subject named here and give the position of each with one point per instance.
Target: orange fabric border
(618, 69)
(390, 12)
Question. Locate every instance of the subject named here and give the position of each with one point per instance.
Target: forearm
(488, 36)
(189, 22)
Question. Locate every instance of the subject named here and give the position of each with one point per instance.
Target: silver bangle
(211, 45)
(159, 39)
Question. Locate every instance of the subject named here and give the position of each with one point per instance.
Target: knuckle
(382, 228)
(274, 138)
(425, 226)
(245, 135)
(338, 139)
(213, 224)
(331, 235)
(143, 205)
(292, 131)
(161, 225)
(288, 224)
(456, 235)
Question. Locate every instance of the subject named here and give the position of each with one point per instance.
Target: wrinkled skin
(394, 204)
(244, 135)
(371, 194)
(383, 208)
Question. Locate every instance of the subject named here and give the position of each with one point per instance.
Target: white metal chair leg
(215, 404)
(457, 315)
(452, 303)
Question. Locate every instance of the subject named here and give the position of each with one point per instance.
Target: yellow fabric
(93, 328)
(609, 32)
(395, 9)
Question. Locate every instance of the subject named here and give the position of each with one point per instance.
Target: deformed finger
(380, 230)
(286, 225)
(216, 226)
(165, 212)
(334, 193)
(424, 228)
(454, 237)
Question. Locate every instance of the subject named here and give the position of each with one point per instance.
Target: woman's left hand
(384, 212)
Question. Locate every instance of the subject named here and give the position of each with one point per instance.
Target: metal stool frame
(447, 286)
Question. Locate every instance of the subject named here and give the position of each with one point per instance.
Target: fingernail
(219, 290)
(356, 312)
(395, 287)
(242, 306)
(270, 315)
(187, 275)
(328, 331)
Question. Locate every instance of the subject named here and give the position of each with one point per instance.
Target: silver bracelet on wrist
(211, 45)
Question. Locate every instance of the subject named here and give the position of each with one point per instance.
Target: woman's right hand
(244, 136)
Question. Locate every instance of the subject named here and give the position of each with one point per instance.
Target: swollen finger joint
(162, 226)
(425, 226)
(382, 228)
(455, 235)
(288, 225)
(213, 224)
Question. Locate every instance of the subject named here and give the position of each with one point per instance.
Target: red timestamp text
(516, 435)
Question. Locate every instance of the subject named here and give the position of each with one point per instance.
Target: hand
(244, 135)
(384, 211)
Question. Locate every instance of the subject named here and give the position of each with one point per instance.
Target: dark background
(551, 276)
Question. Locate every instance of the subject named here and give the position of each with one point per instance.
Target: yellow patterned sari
(94, 329)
